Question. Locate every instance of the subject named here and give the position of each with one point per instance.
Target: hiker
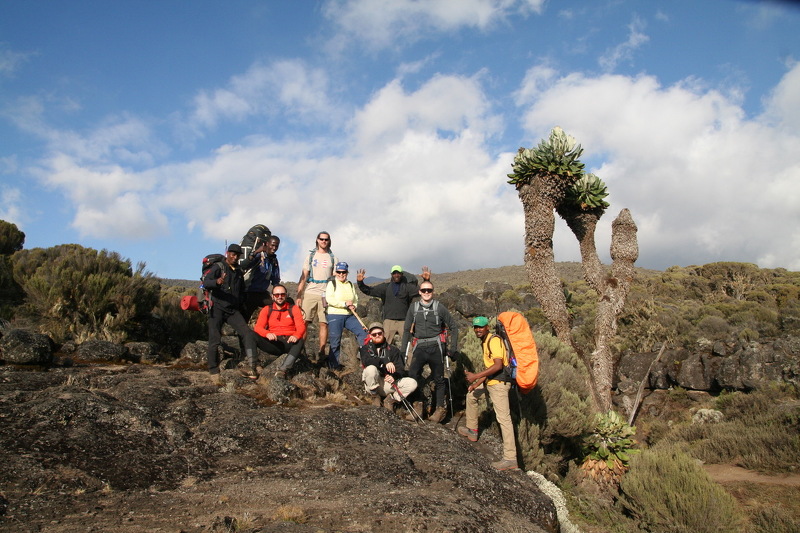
(280, 329)
(423, 331)
(396, 296)
(496, 382)
(225, 282)
(341, 299)
(311, 287)
(384, 374)
(264, 270)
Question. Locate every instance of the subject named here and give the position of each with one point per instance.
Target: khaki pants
(374, 383)
(392, 327)
(498, 393)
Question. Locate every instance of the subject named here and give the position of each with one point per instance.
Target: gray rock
(142, 352)
(23, 347)
(95, 350)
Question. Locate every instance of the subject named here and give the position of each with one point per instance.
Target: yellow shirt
(337, 294)
(498, 351)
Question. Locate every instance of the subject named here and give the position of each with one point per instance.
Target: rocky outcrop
(714, 367)
(131, 448)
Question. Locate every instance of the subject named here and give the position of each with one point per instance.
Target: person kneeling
(281, 329)
(384, 374)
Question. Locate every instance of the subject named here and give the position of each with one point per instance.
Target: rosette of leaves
(608, 449)
(558, 155)
(587, 193)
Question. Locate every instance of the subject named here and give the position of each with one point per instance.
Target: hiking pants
(336, 325)
(281, 346)
(252, 301)
(216, 318)
(498, 393)
(374, 383)
(390, 327)
(429, 353)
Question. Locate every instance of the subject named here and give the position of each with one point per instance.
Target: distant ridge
(472, 280)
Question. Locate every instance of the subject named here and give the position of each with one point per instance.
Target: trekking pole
(413, 412)
(446, 362)
(359, 319)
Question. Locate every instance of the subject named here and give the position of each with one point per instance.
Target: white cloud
(387, 23)
(624, 51)
(706, 180)
(11, 205)
(286, 88)
(10, 61)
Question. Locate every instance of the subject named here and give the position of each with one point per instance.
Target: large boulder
(23, 347)
(96, 350)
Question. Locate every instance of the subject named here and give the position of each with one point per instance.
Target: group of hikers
(390, 374)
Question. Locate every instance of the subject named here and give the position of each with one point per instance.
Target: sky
(164, 130)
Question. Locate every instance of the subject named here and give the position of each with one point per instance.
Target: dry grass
(290, 513)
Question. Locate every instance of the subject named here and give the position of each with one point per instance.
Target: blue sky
(161, 130)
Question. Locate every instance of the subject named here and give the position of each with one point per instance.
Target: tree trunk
(624, 252)
(539, 197)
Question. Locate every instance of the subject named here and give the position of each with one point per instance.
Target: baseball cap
(235, 248)
(396, 268)
(342, 266)
(375, 325)
(480, 321)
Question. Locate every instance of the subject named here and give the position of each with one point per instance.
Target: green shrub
(760, 432)
(11, 238)
(775, 520)
(81, 293)
(668, 492)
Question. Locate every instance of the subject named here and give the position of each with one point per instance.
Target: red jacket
(278, 322)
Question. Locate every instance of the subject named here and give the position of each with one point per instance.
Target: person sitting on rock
(280, 329)
(384, 375)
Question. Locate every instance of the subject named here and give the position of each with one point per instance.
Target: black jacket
(230, 295)
(395, 307)
(380, 355)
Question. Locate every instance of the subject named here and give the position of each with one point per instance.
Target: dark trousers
(429, 354)
(252, 301)
(281, 346)
(216, 318)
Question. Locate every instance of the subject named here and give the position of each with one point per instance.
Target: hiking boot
(280, 374)
(505, 464)
(214, 379)
(388, 402)
(438, 415)
(248, 372)
(376, 400)
(471, 434)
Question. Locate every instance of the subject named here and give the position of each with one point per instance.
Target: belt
(427, 340)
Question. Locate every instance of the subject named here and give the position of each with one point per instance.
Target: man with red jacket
(280, 329)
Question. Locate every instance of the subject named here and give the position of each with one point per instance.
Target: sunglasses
(276, 294)
(426, 290)
(341, 272)
(322, 239)
(376, 334)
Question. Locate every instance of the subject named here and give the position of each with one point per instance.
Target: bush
(669, 492)
(11, 238)
(81, 293)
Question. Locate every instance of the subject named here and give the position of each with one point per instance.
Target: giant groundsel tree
(550, 179)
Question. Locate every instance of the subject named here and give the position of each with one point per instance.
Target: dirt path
(731, 474)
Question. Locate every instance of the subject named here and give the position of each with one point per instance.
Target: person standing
(225, 282)
(280, 329)
(384, 375)
(341, 299)
(311, 287)
(396, 295)
(425, 328)
(493, 381)
(263, 270)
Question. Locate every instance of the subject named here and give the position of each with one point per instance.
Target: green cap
(396, 268)
(480, 321)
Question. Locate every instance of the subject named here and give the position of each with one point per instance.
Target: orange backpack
(523, 359)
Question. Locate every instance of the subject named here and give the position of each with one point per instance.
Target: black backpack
(255, 237)
(204, 301)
